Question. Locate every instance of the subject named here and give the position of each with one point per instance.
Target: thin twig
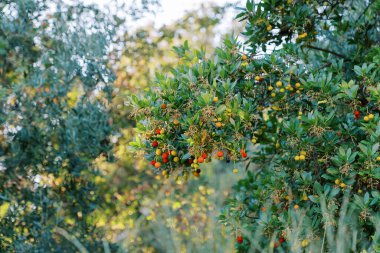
(327, 51)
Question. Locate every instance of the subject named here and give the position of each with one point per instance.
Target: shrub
(305, 113)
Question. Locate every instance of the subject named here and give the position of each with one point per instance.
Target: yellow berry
(278, 145)
(257, 78)
(215, 99)
(244, 57)
(235, 170)
(337, 181)
(300, 113)
(298, 92)
(371, 116)
(279, 84)
(296, 158)
(302, 158)
(269, 28)
(173, 153)
(342, 185)
(175, 122)
(305, 243)
(176, 159)
(303, 153)
(254, 140)
(273, 94)
(270, 88)
(366, 118)
(282, 90)
(296, 207)
(378, 158)
(297, 85)
(158, 151)
(165, 172)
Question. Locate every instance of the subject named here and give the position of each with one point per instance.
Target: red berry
(239, 239)
(163, 106)
(281, 240)
(244, 155)
(165, 156)
(191, 161)
(158, 131)
(165, 160)
(200, 159)
(154, 144)
(204, 155)
(220, 153)
(153, 162)
(356, 114)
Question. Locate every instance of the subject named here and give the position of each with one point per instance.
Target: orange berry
(200, 159)
(218, 124)
(157, 165)
(296, 207)
(163, 106)
(220, 153)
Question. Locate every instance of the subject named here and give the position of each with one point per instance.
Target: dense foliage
(304, 112)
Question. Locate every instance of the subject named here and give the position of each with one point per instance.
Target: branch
(71, 238)
(327, 51)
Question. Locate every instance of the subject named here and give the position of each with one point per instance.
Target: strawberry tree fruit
(309, 85)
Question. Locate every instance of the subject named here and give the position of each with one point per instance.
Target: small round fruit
(154, 144)
(235, 170)
(305, 243)
(204, 155)
(244, 57)
(165, 160)
(366, 118)
(297, 85)
(279, 84)
(239, 239)
(342, 185)
(273, 94)
(153, 162)
(296, 158)
(196, 174)
(254, 140)
(218, 124)
(244, 155)
(158, 151)
(263, 209)
(165, 173)
(378, 158)
(270, 88)
(176, 122)
(282, 90)
(215, 99)
(176, 159)
(269, 28)
(296, 207)
(281, 240)
(371, 116)
(220, 153)
(173, 153)
(277, 145)
(337, 181)
(163, 106)
(201, 159)
(302, 158)
(157, 165)
(165, 156)
(303, 153)
(158, 131)
(298, 92)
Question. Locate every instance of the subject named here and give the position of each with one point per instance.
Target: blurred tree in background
(54, 120)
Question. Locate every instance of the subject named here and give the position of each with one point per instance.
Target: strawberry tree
(296, 105)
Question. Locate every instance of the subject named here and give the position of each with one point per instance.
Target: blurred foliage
(54, 121)
(299, 99)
